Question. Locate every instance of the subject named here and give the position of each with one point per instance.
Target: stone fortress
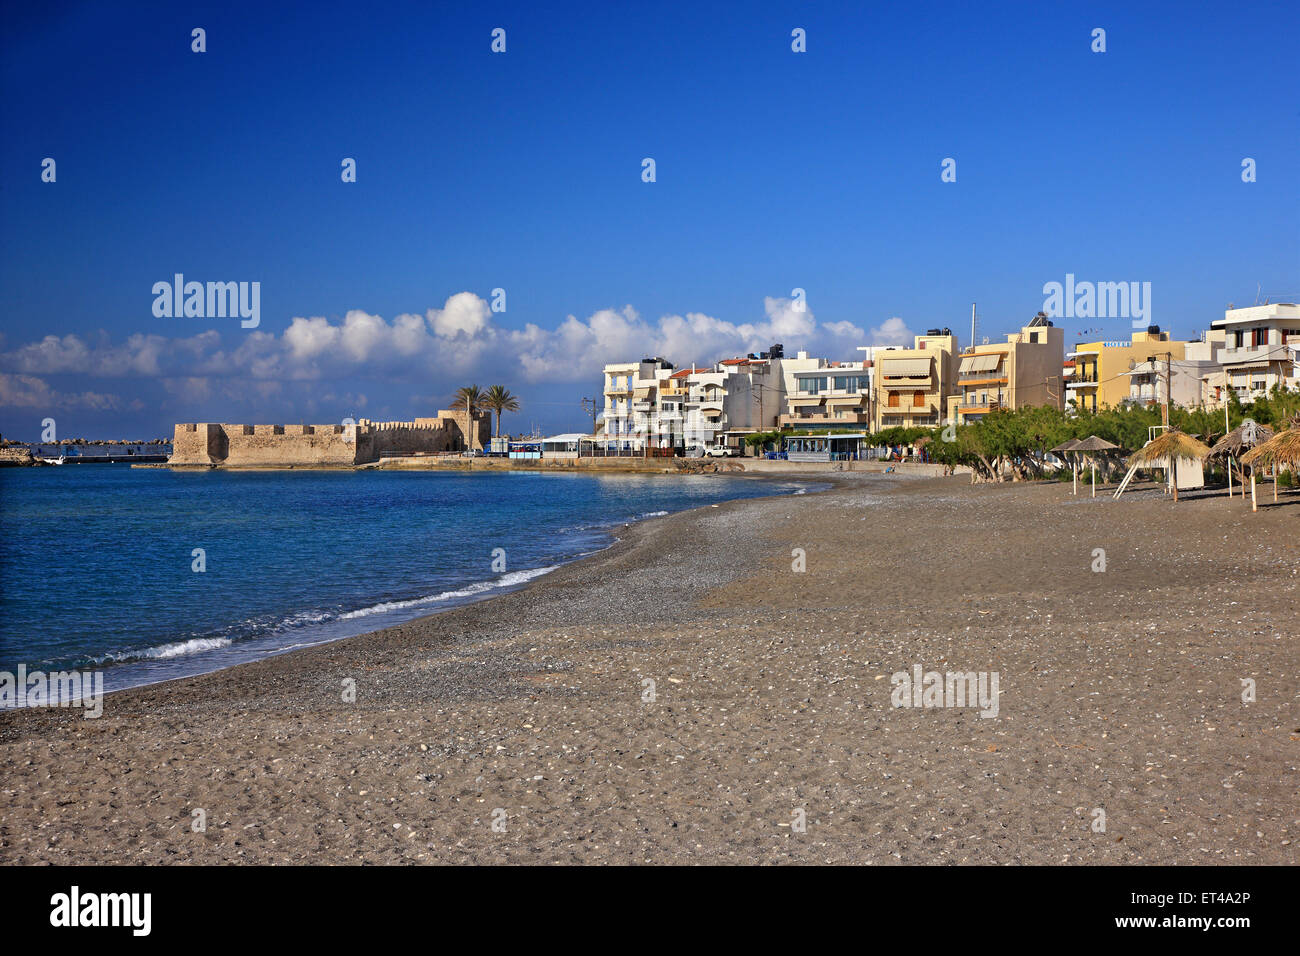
(323, 446)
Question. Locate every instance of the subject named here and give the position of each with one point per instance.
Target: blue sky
(522, 171)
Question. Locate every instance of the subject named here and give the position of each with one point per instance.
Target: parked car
(721, 451)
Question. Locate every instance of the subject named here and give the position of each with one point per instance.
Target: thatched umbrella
(1091, 446)
(1064, 448)
(1166, 450)
(1282, 449)
(1235, 443)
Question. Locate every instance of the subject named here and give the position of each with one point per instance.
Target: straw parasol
(1236, 443)
(1166, 450)
(1283, 449)
(1091, 446)
(1064, 448)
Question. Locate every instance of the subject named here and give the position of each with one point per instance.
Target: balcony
(803, 421)
(906, 407)
(1260, 353)
(618, 391)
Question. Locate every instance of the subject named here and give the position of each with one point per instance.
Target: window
(811, 386)
(918, 399)
(893, 399)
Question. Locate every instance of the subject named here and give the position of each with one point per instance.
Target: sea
(148, 574)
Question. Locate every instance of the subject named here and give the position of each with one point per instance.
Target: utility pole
(1169, 380)
(590, 407)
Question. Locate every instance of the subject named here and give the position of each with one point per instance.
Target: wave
(305, 619)
(162, 652)
(511, 579)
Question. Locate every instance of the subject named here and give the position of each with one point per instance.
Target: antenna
(974, 324)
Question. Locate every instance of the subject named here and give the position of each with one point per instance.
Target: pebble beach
(717, 687)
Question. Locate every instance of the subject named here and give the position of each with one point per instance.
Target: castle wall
(278, 445)
(198, 444)
(319, 446)
(375, 438)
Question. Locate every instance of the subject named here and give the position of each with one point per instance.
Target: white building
(1262, 348)
(630, 420)
(822, 395)
(649, 405)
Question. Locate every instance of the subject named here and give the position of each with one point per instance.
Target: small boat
(52, 461)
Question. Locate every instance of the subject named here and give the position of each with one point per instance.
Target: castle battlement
(319, 446)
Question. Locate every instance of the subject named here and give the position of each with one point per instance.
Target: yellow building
(1024, 370)
(1101, 372)
(912, 385)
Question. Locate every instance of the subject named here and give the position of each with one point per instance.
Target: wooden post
(1074, 470)
(1254, 505)
(1094, 478)
(1229, 476)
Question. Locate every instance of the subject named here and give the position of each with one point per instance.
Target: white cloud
(28, 391)
(890, 332)
(463, 314)
(439, 348)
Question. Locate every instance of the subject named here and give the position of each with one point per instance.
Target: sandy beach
(1120, 690)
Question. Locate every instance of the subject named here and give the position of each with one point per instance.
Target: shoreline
(611, 533)
(1120, 691)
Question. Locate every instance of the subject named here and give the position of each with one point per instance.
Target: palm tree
(470, 398)
(498, 399)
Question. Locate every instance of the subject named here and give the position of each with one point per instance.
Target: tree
(470, 398)
(498, 399)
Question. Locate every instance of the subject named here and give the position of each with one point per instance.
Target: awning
(980, 363)
(805, 400)
(847, 400)
(909, 383)
(1238, 366)
(893, 368)
(642, 392)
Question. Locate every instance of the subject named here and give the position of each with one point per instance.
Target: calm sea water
(97, 561)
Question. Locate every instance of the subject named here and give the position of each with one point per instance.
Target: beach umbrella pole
(1254, 505)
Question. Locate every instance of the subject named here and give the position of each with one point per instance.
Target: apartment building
(1101, 373)
(649, 404)
(1186, 382)
(1027, 369)
(1261, 349)
(632, 394)
(821, 395)
(911, 386)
